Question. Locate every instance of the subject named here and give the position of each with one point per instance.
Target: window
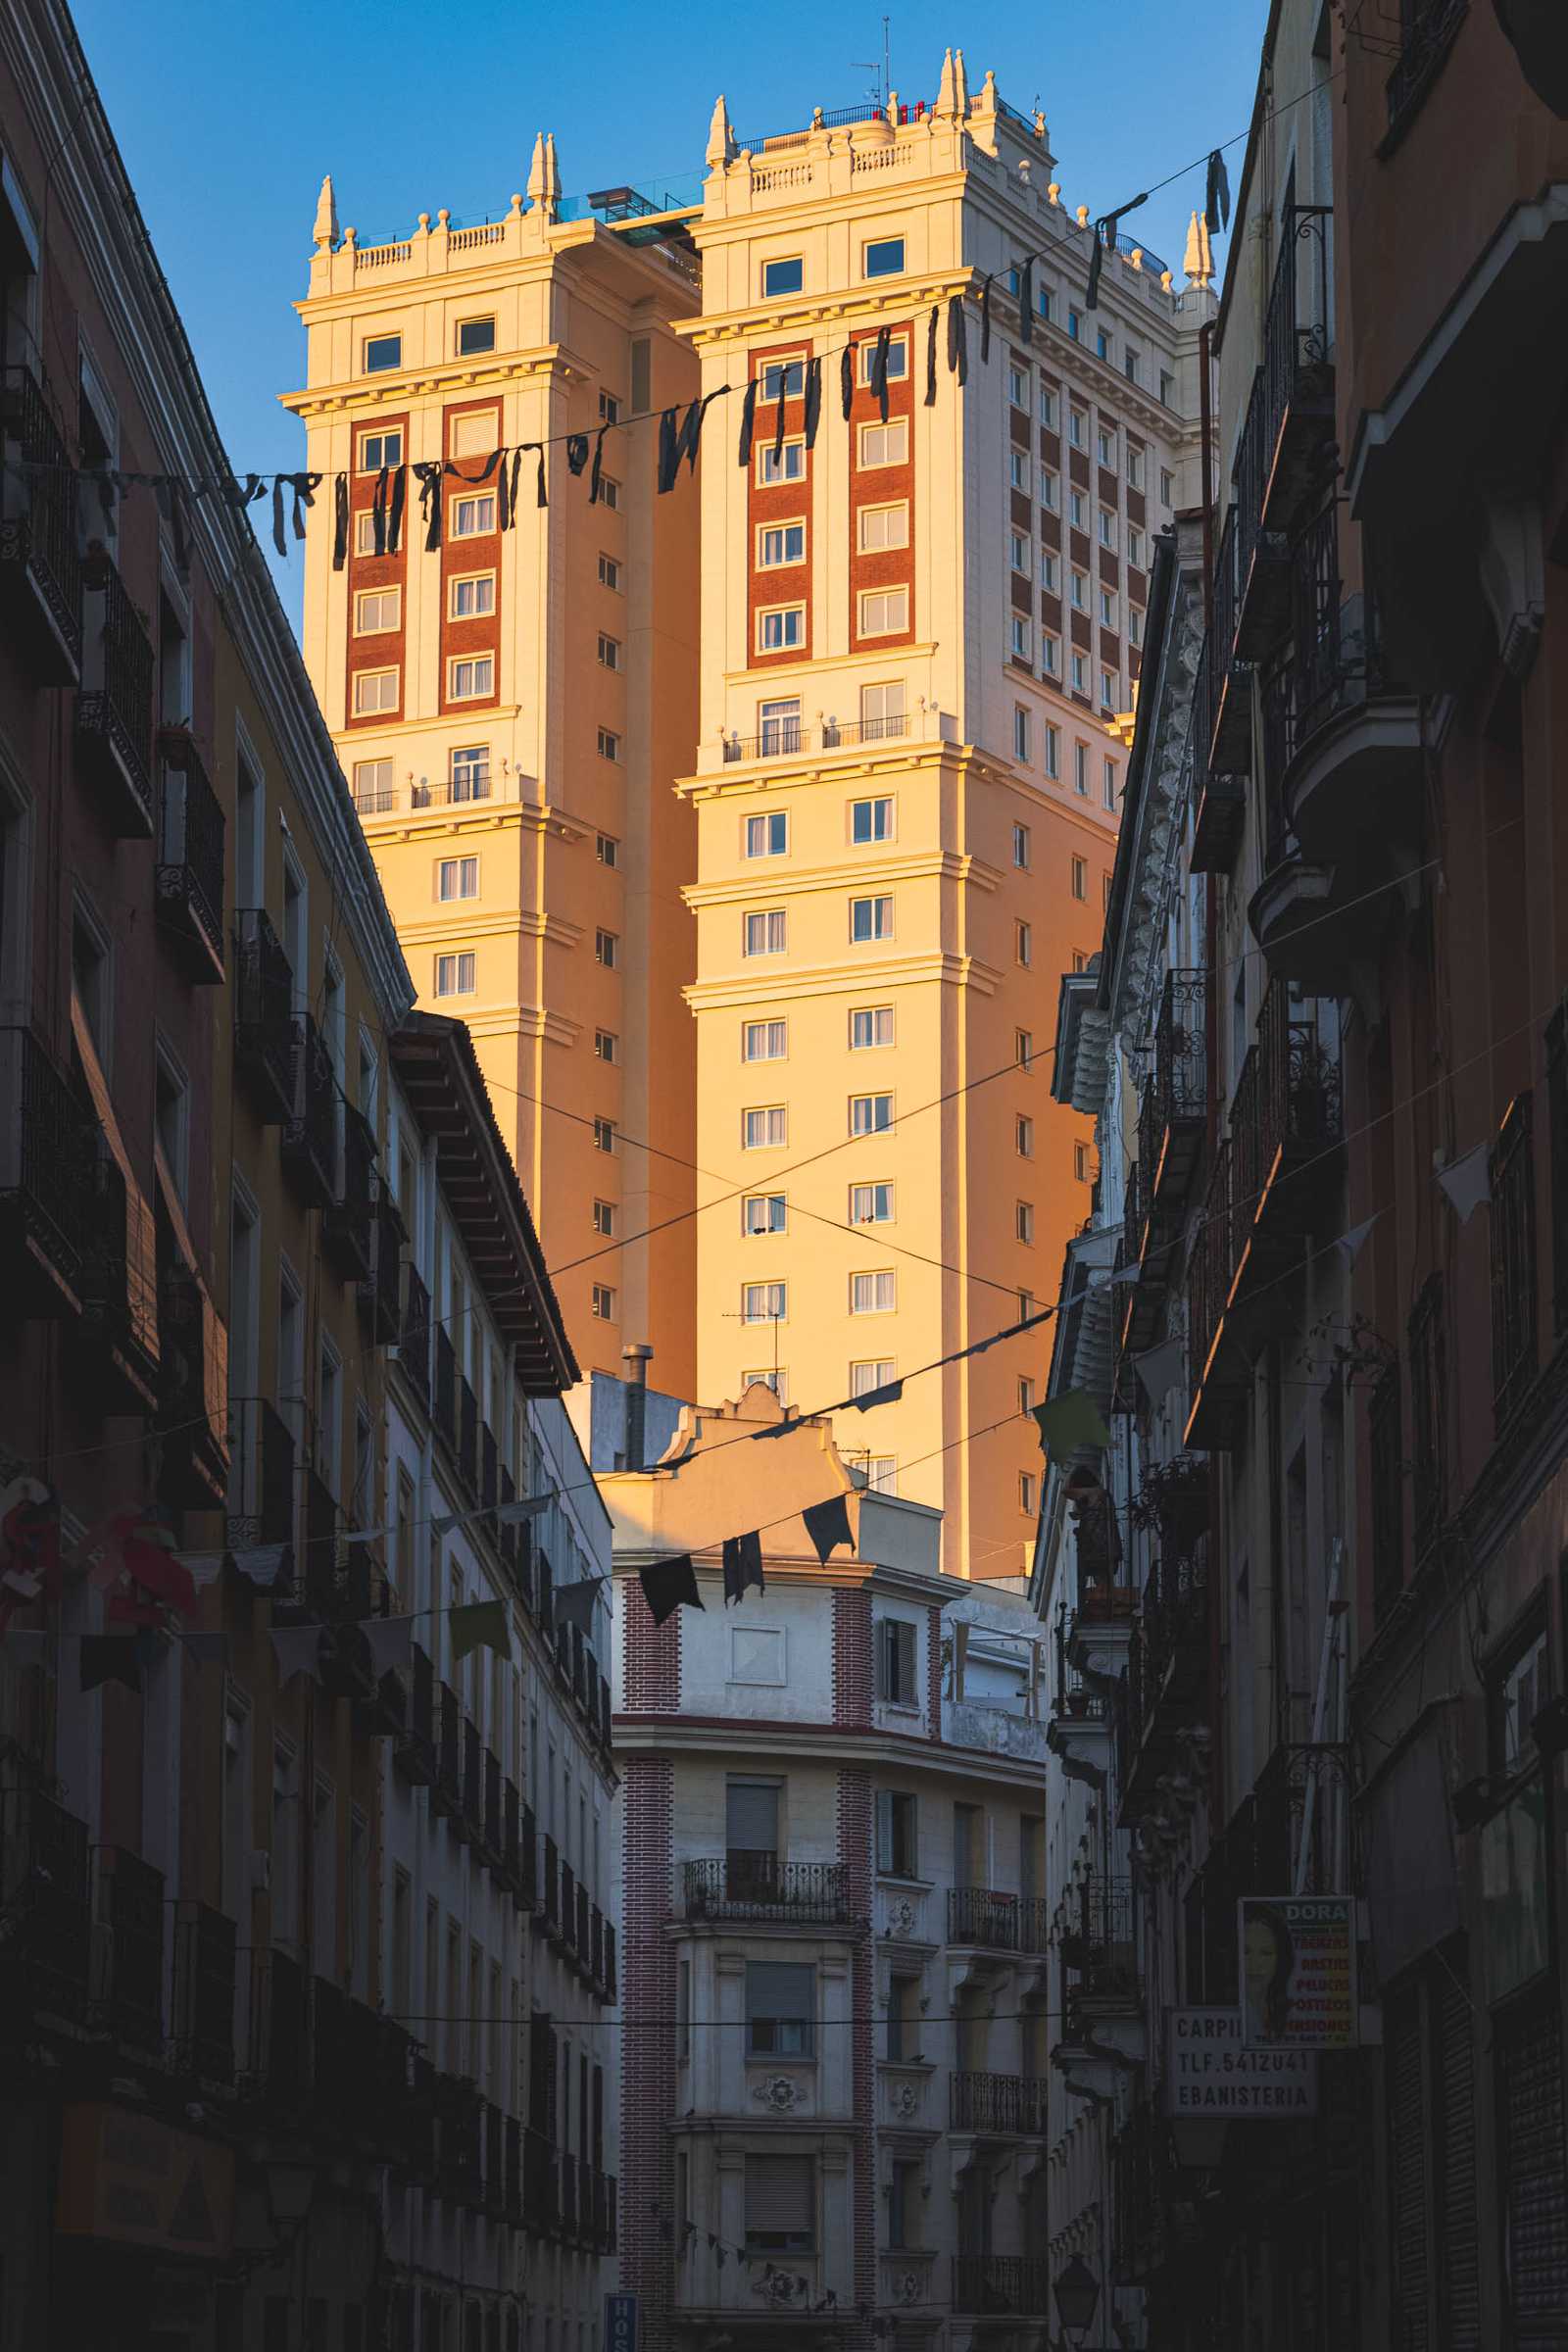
(1105, 893)
(785, 276)
(604, 1134)
(604, 1218)
(781, 543)
(1017, 385)
(874, 1294)
(870, 1025)
(1105, 446)
(475, 335)
(1024, 1047)
(608, 492)
(1080, 673)
(765, 932)
(604, 1302)
(1135, 624)
(608, 744)
(786, 377)
(375, 690)
(1167, 486)
(1079, 591)
(1023, 942)
(471, 772)
(1107, 690)
(1050, 570)
(1135, 543)
(896, 1662)
(1019, 471)
(1026, 1306)
(897, 1845)
(884, 610)
(472, 677)
(1078, 427)
(382, 351)
(1107, 610)
(779, 731)
(1102, 344)
(885, 444)
(607, 849)
(606, 949)
(365, 533)
(1517, 1692)
(884, 528)
(1027, 1492)
(1080, 1162)
(1026, 1394)
(454, 975)
(457, 878)
(870, 919)
(786, 464)
(781, 631)
(762, 1128)
(1023, 1136)
(884, 257)
(1050, 489)
(606, 1046)
(779, 1383)
(898, 358)
(1074, 324)
(1080, 878)
(1077, 514)
(1135, 467)
(377, 608)
(1021, 745)
(1080, 960)
(1023, 1222)
(764, 1040)
(1022, 633)
(870, 1114)
(609, 652)
(763, 1302)
(870, 1205)
(1108, 783)
(780, 2200)
(1167, 388)
(373, 789)
(608, 408)
(871, 820)
(472, 517)
(1080, 768)
(474, 597)
(1051, 661)
(1018, 552)
(608, 572)
(768, 836)
(1020, 845)
(1053, 752)
(764, 1212)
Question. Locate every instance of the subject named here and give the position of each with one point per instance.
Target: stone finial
(327, 229)
(552, 176)
(892, 109)
(720, 136)
(1166, 280)
(514, 209)
(1054, 192)
(1081, 216)
(536, 170)
(1198, 260)
(960, 84)
(986, 103)
(947, 93)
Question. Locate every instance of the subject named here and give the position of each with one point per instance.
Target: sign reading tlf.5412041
(1211, 2073)
(1297, 1962)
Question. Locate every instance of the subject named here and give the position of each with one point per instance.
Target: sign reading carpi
(1210, 2072)
(1297, 1961)
(620, 2324)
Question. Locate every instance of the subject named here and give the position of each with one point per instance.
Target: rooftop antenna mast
(879, 92)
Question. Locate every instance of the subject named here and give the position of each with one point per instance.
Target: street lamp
(1077, 2292)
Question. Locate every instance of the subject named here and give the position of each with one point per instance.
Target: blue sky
(228, 116)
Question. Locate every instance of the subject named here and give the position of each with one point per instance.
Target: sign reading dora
(1210, 2072)
(1298, 1960)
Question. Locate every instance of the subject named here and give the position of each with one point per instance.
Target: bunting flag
(596, 480)
(340, 522)
(957, 339)
(479, 1622)
(297, 1650)
(204, 1568)
(846, 380)
(748, 422)
(576, 451)
(110, 1658)
(266, 1563)
(143, 1544)
(1467, 1182)
(879, 370)
(29, 1533)
(743, 1566)
(1026, 302)
(813, 398)
(390, 1641)
(828, 1526)
(1105, 238)
(669, 1585)
(575, 1603)
(526, 1507)
(985, 319)
(428, 475)
(1160, 1369)
(1351, 1244)
(931, 355)
(1066, 1422)
(1217, 196)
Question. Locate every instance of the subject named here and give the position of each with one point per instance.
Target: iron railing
(1013, 2104)
(348, 1225)
(310, 1135)
(1428, 1413)
(45, 1897)
(1429, 28)
(1513, 1258)
(43, 1161)
(446, 1387)
(987, 2283)
(761, 1885)
(129, 1994)
(1181, 1048)
(1385, 1432)
(114, 711)
(278, 2063)
(190, 854)
(413, 1338)
(204, 1993)
(1296, 323)
(467, 1433)
(263, 998)
(1557, 1144)
(40, 516)
(995, 1921)
(261, 1481)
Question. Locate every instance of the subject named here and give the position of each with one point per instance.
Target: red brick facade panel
(371, 574)
(475, 558)
(852, 1657)
(777, 504)
(882, 568)
(652, 1666)
(648, 2068)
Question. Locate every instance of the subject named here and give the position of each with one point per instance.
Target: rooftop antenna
(879, 93)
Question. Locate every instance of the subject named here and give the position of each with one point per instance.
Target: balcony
(128, 1970)
(40, 570)
(494, 1838)
(470, 1824)
(761, 1886)
(1147, 2185)
(1225, 743)
(581, 1942)
(1514, 1351)
(414, 1756)
(1281, 1163)
(46, 1202)
(997, 2106)
(1002, 2285)
(277, 2067)
(446, 1387)
(414, 1332)
(541, 2178)
(513, 2205)
(547, 1915)
(204, 1993)
(789, 738)
(190, 856)
(1167, 1675)
(192, 1408)
(528, 1862)
(509, 1864)
(1221, 799)
(489, 1467)
(348, 1228)
(264, 1025)
(116, 1362)
(382, 1291)
(495, 2161)
(1103, 2014)
(604, 2207)
(459, 2168)
(446, 1790)
(1295, 456)
(568, 1936)
(261, 1475)
(611, 1980)
(310, 1133)
(43, 1899)
(988, 1920)
(115, 703)
(1262, 557)
(1181, 1089)
(468, 1436)
(567, 2179)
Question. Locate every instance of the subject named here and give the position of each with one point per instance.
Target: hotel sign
(1211, 2076)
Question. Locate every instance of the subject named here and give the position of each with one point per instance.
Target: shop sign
(1211, 2074)
(1297, 1962)
(129, 2177)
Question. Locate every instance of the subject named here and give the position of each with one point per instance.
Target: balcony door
(751, 1841)
(967, 1846)
(974, 2213)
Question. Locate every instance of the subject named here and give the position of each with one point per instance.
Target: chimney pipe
(635, 1359)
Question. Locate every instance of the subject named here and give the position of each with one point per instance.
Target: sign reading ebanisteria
(1210, 2072)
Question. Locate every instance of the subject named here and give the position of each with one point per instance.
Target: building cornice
(947, 865)
(371, 397)
(697, 1735)
(845, 979)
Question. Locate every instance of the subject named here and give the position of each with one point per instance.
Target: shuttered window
(895, 1661)
(751, 1817)
(780, 2204)
(1407, 2170)
(542, 2075)
(1534, 2153)
(1453, 2160)
(1429, 2041)
(780, 2009)
(896, 1849)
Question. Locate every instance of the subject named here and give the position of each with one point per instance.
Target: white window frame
(476, 580)
(476, 663)
(378, 710)
(784, 615)
(379, 628)
(891, 438)
(867, 540)
(483, 504)
(781, 528)
(896, 596)
(879, 901)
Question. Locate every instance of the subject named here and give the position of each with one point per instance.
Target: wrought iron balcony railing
(264, 1027)
(191, 855)
(44, 1881)
(40, 569)
(996, 2104)
(128, 1993)
(445, 1405)
(761, 1885)
(995, 1921)
(987, 2284)
(261, 1474)
(278, 2061)
(115, 706)
(46, 1202)
(413, 1337)
(205, 1942)
(310, 1135)
(1428, 30)
(349, 1226)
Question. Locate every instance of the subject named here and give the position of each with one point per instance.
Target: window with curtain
(780, 2009)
